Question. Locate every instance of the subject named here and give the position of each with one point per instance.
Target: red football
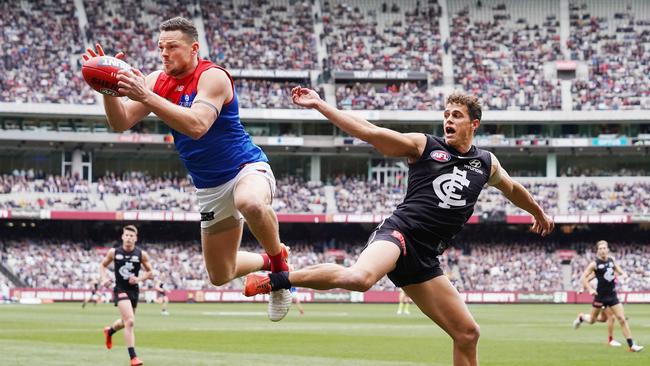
(101, 74)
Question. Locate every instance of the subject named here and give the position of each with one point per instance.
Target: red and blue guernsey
(218, 156)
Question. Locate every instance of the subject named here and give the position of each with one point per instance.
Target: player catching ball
(198, 101)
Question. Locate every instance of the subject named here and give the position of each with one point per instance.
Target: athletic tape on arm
(208, 104)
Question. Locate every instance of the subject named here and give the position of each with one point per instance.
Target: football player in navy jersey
(605, 270)
(127, 260)
(444, 181)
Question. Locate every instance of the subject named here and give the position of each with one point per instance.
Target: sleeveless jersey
(443, 186)
(216, 157)
(126, 265)
(606, 277)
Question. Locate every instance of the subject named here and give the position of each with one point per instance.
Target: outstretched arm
(517, 194)
(386, 141)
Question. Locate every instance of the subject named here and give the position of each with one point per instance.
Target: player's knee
(220, 278)
(129, 322)
(468, 335)
(251, 208)
(358, 280)
(621, 319)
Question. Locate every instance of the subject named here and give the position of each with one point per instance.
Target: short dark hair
(131, 228)
(180, 24)
(470, 101)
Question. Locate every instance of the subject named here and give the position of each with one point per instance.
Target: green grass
(328, 334)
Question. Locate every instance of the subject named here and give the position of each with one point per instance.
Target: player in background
(198, 101)
(605, 270)
(161, 296)
(94, 295)
(606, 316)
(127, 261)
(444, 182)
(404, 303)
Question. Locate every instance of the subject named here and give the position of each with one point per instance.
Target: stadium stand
(500, 49)
(612, 38)
(260, 34)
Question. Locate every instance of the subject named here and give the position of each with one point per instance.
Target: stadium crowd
(370, 36)
(621, 198)
(395, 96)
(477, 266)
(496, 56)
(502, 60)
(351, 195)
(41, 44)
(261, 34)
(614, 46)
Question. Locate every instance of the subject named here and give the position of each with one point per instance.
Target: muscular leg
(223, 261)
(253, 200)
(619, 313)
(441, 302)
(128, 322)
(373, 263)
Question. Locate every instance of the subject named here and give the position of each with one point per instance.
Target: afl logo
(441, 156)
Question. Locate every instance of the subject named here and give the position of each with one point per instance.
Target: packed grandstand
(567, 83)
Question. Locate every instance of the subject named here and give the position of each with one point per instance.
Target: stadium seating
(612, 38)
(260, 34)
(480, 266)
(499, 51)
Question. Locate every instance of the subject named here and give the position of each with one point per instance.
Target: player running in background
(606, 316)
(605, 295)
(94, 295)
(444, 181)
(198, 101)
(161, 296)
(127, 261)
(404, 303)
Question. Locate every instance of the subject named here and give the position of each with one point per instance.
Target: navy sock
(630, 342)
(111, 331)
(132, 352)
(280, 280)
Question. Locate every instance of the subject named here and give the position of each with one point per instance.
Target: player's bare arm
(518, 195)
(620, 271)
(586, 275)
(104, 280)
(386, 141)
(146, 274)
(122, 115)
(214, 89)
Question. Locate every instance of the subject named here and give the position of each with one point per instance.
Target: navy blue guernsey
(606, 277)
(126, 265)
(443, 187)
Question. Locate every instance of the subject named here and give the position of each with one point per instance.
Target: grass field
(328, 334)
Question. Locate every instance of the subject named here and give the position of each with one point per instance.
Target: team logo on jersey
(126, 271)
(447, 187)
(119, 256)
(135, 259)
(475, 163)
(601, 266)
(441, 156)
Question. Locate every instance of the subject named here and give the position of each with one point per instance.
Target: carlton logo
(441, 156)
